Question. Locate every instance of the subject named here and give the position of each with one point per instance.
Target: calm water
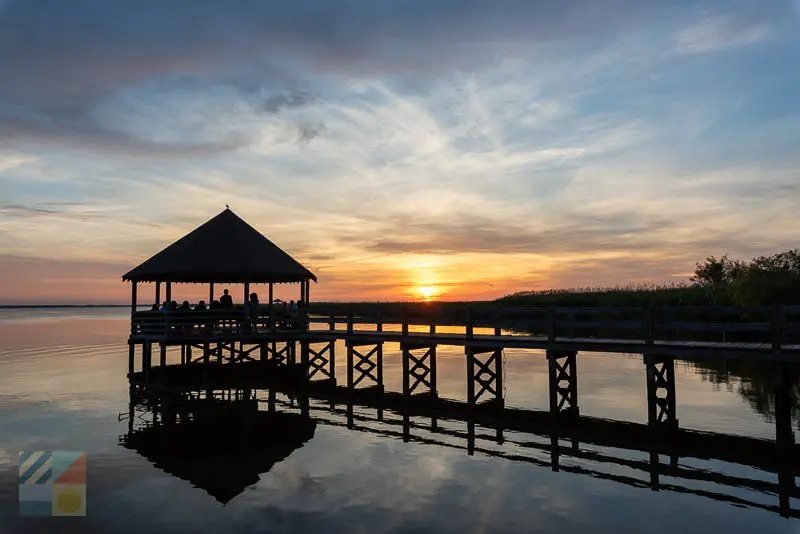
(63, 386)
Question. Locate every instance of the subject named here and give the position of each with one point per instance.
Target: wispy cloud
(481, 147)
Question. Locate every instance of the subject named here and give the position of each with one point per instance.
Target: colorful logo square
(52, 483)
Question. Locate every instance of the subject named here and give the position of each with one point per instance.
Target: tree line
(765, 280)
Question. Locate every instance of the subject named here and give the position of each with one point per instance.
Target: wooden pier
(255, 347)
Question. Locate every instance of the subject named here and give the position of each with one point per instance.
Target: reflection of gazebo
(222, 453)
(224, 250)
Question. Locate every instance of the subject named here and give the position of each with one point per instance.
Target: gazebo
(223, 250)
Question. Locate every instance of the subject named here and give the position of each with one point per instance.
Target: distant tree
(718, 276)
(770, 280)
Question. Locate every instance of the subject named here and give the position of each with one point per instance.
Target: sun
(427, 292)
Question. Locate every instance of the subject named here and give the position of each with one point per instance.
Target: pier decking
(210, 339)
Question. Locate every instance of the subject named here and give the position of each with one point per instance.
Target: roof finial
(227, 207)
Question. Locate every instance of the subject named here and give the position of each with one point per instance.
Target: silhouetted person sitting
(215, 305)
(185, 306)
(226, 301)
(201, 306)
(172, 306)
(164, 307)
(154, 308)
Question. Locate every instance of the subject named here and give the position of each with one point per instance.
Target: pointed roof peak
(224, 249)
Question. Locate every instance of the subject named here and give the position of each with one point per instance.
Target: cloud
(276, 103)
(309, 131)
(718, 33)
(70, 56)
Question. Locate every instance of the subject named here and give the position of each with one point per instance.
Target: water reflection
(218, 444)
(223, 442)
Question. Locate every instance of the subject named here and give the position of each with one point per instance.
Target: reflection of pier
(610, 450)
(218, 445)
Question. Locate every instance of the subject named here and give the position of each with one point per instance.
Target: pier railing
(777, 326)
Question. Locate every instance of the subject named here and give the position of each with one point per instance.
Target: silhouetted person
(226, 301)
(154, 308)
(172, 306)
(201, 306)
(292, 306)
(164, 307)
(215, 305)
(252, 310)
(185, 306)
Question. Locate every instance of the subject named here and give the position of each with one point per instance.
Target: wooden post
(147, 359)
(133, 298)
(302, 290)
(131, 353)
(406, 376)
(434, 386)
(332, 360)
(349, 364)
(652, 407)
(308, 293)
(469, 332)
(163, 360)
(304, 348)
(158, 294)
(210, 294)
(671, 400)
(169, 292)
(379, 361)
(349, 321)
(271, 314)
(470, 378)
(498, 375)
(553, 382)
(246, 294)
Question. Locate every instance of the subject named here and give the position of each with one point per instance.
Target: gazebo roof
(225, 249)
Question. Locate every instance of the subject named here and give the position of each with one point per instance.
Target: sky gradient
(477, 147)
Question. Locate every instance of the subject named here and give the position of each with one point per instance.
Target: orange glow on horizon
(427, 293)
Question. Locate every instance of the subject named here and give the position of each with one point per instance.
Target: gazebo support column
(158, 294)
(210, 293)
(307, 298)
(271, 324)
(169, 292)
(133, 297)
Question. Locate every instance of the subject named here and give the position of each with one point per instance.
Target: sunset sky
(473, 147)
